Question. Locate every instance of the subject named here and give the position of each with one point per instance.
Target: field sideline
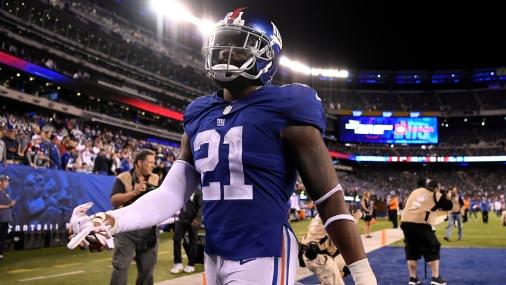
(61, 266)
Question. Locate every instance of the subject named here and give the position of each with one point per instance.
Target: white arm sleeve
(160, 204)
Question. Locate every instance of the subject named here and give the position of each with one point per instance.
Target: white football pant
(255, 271)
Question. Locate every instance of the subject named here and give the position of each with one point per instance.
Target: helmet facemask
(233, 51)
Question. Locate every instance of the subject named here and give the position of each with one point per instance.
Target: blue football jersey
(246, 176)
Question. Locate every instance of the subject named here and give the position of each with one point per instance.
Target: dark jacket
(193, 208)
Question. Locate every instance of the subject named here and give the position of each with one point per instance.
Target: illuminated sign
(391, 130)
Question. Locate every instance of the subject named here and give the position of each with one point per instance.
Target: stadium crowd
(69, 144)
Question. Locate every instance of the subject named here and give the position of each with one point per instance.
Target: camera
(311, 251)
(150, 187)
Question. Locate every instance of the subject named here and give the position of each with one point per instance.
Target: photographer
(321, 256)
(417, 224)
(128, 187)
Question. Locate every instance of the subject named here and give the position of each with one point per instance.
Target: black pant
(392, 216)
(484, 216)
(4, 228)
(179, 231)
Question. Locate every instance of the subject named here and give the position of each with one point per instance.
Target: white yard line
(51, 276)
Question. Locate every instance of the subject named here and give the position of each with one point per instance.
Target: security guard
(417, 223)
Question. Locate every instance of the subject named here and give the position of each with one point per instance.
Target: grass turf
(475, 234)
(87, 268)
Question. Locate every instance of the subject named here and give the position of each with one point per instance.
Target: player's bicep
(305, 147)
(185, 153)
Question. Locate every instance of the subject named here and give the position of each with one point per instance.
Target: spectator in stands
(101, 165)
(115, 163)
(190, 220)
(33, 154)
(143, 243)
(125, 161)
(88, 156)
(67, 153)
(455, 215)
(367, 212)
(54, 152)
(3, 148)
(6, 205)
(12, 145)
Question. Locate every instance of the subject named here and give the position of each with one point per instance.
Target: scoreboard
(388, 130)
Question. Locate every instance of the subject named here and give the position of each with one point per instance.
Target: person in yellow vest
(143, 243)
(393, 207)
(417, 223)
(321, 256)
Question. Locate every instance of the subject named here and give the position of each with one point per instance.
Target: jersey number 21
(237, 190)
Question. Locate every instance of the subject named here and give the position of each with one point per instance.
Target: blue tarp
(45, 198)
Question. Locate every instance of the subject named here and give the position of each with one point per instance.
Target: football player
(244, 144)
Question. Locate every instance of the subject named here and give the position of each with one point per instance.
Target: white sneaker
(189, 269)
(176, 268)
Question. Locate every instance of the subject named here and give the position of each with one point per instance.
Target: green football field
(62, 266)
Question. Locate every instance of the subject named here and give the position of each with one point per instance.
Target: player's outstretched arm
(307, 150)
(157, 205)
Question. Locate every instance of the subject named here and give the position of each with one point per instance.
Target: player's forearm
(160, 204)
(317, 172)
(344, 233)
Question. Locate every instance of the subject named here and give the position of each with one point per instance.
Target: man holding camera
(417, 223)
(321, 256)
(128, 187)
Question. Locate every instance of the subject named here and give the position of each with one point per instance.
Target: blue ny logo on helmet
(243, 44)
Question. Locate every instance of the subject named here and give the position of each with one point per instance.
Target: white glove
(362, 273)
(89, 231)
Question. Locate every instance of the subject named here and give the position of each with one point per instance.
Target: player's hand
(90, 232)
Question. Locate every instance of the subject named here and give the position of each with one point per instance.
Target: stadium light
(295, 65)
(307, 70)
(205, 26)
(174, 10)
